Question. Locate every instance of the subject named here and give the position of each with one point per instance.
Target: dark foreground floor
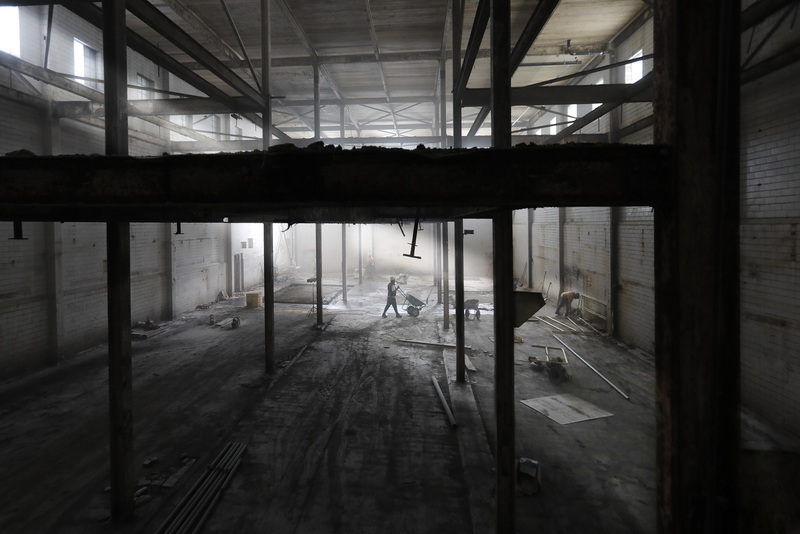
(349, 436)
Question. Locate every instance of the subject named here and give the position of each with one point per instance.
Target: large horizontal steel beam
(295, 184)
(562, 94)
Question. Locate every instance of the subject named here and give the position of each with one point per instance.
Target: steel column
(697, 253)
(501, 73)
(318, 270)
(119, 271)
(344, 263)
(269, 300)
(446, 275)
(266, 63)
(458, 28)
(317, 121)
(459, 259)
(530, 248)
(504, 397)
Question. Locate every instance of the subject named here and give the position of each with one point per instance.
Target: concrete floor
(349, 436)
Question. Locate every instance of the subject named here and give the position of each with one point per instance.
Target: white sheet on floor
(566, 409)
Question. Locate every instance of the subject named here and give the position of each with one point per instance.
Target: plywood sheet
(566, 409)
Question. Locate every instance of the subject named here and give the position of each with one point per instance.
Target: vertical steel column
(317, 118)
(460, 357)
(266, 63)
(269, 300)
(562, 219)
(437, 260)
(443, 102)
(505, 485)
(697, 253)
(530, 248)
(118, 250)
(446, 275)
(344, 263)
(269, 245)
(318, 239)
(501, 73)
(458, 28)
(341, 122)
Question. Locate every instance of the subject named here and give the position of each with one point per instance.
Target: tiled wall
(770, 273)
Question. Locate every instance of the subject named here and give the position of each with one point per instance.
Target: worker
(565, 301)
(391, 300)
(370, 267)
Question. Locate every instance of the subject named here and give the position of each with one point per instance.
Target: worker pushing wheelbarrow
(411, 304)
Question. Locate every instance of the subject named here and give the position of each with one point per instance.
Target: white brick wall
(636, 320)
(586, 254)
(23, 301)
(770, 214)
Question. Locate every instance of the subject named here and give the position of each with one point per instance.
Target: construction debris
(444, 402)
(592, 368)
(196, 506)
(446, 345)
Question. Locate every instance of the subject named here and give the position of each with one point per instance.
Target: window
(553, 127)
(144, 83)
(85, 64)
(9, 30)
(215, 127)
(572, 112)
(597, 104)
(634, 71)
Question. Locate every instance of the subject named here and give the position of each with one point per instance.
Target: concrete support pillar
(446, 275)
(317, 107)
(119, 370)
(266, 61)
(344, 263)
(269, 300)
(505, 484)
(437, 260)
(501, 73)
(318, 239)
(119, 271)
(360, 257)
(530, 248)
(697, 253)
(562, 220)
(459, 259)
(458, 26)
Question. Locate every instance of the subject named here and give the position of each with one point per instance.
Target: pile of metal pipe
(197, 504)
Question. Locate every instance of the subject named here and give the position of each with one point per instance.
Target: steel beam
(264, 186)
(564, 94)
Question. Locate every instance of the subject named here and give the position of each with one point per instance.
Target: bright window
(9, 30)
(553, 127)
(634, 71)
(85, 62)
(597, 104)
(572, 112)
(144, 83)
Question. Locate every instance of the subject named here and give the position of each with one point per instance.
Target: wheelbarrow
(472, 305)
(411, 304)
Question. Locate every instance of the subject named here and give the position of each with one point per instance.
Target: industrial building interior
(202, 205)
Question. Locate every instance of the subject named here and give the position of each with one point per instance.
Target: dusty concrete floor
(348, 436)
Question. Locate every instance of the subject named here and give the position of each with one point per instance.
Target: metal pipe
(444, 402)
(210, 488)
(592, 368)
